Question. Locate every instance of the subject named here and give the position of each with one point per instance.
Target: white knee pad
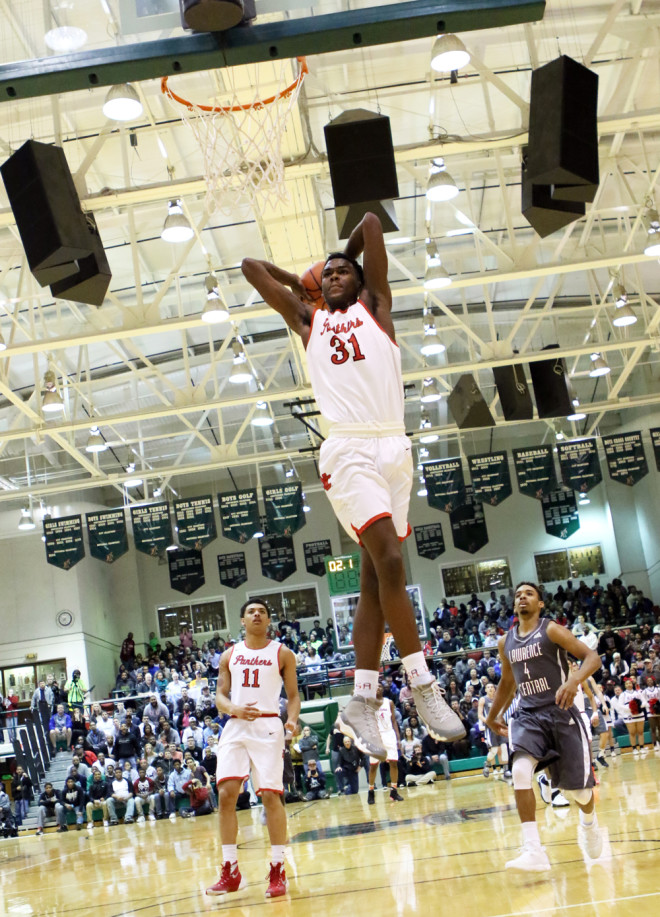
(582, 797)
(504, 754)
(523, 771)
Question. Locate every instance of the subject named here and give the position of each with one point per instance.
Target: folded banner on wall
(64, 541)
(560, 513)
(186, 570)
(232, 569)
(239, 514)
(445, 484)
(152, 528)
(315, 554)
(108, 537)
(429, 540)
(491, 480)
(580, 467)
(535, 470)
(284, 508)
(278, 559)
(626, 460)
(195, 522)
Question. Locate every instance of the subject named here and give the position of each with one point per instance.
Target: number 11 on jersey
(246, 678)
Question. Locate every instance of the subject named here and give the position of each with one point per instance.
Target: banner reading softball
(580, 468)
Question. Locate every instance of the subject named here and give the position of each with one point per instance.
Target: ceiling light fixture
(51, 402)
(436, 277)
(306, 508)
(95, 443)
(583, 500)
(425, 426)
(132, 482)
(559, 435)
(430, 391)
(262, 416)
(214, 310)
(65, 38)
(176, 228)
(26, 522)
(598, 366)
(240, 371)
(652, 224)
(122, 103)
(431, 346)
(577, 414)
(3, 345)
(449, 53)
(619, 294)
(623, 316)
(441, 186)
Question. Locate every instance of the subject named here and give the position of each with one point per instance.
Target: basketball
(311, 280)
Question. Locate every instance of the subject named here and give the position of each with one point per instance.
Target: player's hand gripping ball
(311, 280)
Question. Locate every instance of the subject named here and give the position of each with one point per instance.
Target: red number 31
(341, 353)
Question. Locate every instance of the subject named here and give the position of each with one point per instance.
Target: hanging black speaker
(361, 158)
(541, 211)
(467, 404)
(552, 388)
(514, 393)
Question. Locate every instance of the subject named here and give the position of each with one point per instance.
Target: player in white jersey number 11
(250, 681)
(366, 462)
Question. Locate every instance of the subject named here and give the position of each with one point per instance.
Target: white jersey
(355, 368)
(384, 717)
(255, 676)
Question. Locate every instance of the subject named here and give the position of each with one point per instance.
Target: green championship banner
(152, 528)
(626, 460)
(655, 442)
(284, 508)
(239, 514)
(468, 524)
(232, 569)
(560, 513)
(535, 470)
(195, 522)
(315, 553)
(108, 538)
(64, 541)
(445, 484)
(580, 468)
(186, 570)
(278, 560)
(429, 540)
(491, 480)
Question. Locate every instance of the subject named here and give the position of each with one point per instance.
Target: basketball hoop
(241, 142)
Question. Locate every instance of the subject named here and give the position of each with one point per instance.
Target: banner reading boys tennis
(232, 569)
(580, 468)
(64, 541)
(152, 528)
(186, 570)
(284, 508)
(278, 559)
(626, 460)
(195, 522)
(429, 540)
(315, 553)
(108, 538)
(445, 484)
(490, 476)
(239, 514)
(535, 470)
(560, 513)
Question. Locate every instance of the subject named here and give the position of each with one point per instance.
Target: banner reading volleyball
(445, 484)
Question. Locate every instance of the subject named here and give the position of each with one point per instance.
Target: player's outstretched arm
(290, 678)
(591, 662)
(504, 694)
(368, 237)
(282, 291)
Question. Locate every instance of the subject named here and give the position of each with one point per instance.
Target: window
(482, 576)
(554, 566)
(343, 613)
(201, 617)
(295, 603)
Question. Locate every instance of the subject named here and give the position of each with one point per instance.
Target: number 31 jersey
(354, 367)
(255, 676)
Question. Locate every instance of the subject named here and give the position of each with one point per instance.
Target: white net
(241, 140)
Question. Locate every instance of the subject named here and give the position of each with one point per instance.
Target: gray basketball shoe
(358, 720)
(440, 719)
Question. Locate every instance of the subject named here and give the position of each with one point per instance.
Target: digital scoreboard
(343, 572)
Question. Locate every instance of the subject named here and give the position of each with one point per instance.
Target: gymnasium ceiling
(154, 377)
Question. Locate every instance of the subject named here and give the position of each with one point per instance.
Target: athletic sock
(372, 786)
(588, 819)
(417, 669)
(366, 682)
(530, 833)
(230, 853)
(277, 853)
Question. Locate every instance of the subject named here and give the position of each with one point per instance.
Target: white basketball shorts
(252, 748)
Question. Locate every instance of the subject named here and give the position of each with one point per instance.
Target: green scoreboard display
(343, 572)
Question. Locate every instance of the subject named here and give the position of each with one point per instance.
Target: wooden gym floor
(442, 850)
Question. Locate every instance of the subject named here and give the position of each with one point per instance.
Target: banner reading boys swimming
(535, 470)
(108, 538)
(152, 528)
(580, 468)
(626, 460)
(445, 484)
(195, 522)
(64, 541)
(490, 476)
(239, 514)
(284, 508)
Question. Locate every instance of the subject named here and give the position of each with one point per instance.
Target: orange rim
(261, 103)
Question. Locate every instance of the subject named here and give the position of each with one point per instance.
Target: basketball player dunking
(250, 681)
(366, 463)
(546, 730)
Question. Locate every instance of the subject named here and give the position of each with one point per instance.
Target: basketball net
(241, 141)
